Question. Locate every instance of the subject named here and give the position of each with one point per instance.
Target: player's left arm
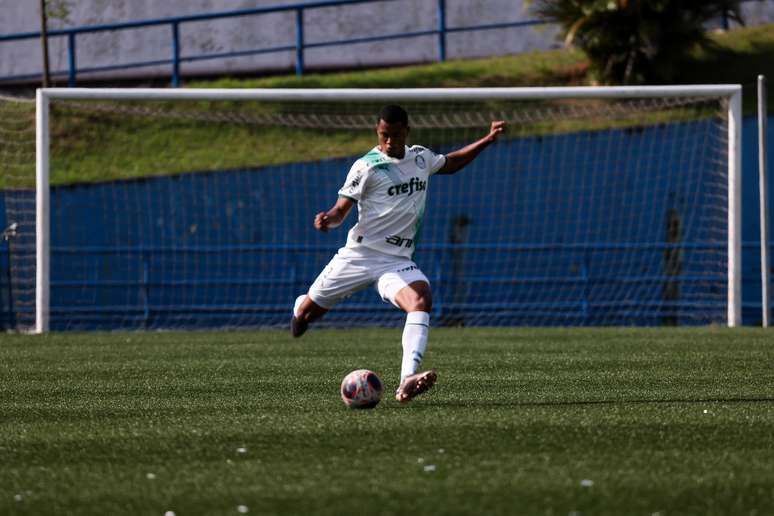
(456, 160)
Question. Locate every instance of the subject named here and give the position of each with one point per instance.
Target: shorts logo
(399, 241)
(420, 161)
(408, 269)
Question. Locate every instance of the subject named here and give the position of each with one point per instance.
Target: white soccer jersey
(390, 195)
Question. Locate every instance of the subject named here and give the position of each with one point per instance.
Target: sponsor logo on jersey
(399, 241)
(355, 182)
(414, 185)
(420, 161)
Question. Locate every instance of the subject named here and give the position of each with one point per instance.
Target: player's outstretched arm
(458, 159)
(332, 218)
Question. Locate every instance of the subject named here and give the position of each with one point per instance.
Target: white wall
(245, 33)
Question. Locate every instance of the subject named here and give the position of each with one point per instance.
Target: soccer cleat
(297, 327)
(414, 385)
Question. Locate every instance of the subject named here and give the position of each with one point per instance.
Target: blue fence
(216, 248)
(177, 55)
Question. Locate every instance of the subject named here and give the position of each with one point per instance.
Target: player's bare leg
(305, 312)
(416, 300)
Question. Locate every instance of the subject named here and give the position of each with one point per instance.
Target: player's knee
(422, 299)
(310, 311)
(303, 314)
(423, 304)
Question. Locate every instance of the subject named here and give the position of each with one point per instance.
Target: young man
(389, 185)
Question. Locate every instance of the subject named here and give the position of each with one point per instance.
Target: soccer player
(389, 185)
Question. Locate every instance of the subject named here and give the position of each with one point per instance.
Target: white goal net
(194, 208)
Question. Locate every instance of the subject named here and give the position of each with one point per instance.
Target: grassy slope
(555, 67)
(157, 147)
(739, 57)
(668, 421)
(88, 149)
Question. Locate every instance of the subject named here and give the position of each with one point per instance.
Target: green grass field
(603, 421)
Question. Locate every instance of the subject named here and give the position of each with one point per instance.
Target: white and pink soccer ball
(361, 389)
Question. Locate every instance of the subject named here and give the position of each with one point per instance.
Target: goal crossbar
(407, 94)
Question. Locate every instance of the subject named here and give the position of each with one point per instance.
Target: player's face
(392, 138)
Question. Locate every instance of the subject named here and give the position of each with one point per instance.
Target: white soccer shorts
(353, 270)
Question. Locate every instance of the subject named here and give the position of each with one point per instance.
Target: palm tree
(636, 41)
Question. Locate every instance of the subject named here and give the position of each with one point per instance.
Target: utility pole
(44, 43)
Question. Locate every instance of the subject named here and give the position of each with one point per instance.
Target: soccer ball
(361, 389)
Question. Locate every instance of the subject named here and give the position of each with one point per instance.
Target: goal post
(42, 213)
(729, 97)
(735, 209)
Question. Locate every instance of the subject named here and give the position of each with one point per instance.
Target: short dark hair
(393, 114)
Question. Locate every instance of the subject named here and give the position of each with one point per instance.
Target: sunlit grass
(596, 421)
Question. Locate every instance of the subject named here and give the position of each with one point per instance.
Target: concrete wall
(247, 33)
(254, 32)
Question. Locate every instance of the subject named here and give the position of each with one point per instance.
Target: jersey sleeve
(437, 161)
(354, 185)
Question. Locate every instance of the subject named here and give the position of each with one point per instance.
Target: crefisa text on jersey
(414, 185)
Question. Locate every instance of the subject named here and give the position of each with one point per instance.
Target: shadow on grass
(503, 403)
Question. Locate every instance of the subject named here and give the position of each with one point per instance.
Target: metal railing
(176, 51)
(176, 57)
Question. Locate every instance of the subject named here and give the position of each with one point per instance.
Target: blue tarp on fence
(234, 248)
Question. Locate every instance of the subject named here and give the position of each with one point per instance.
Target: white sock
(299, 300)
(414, 342)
